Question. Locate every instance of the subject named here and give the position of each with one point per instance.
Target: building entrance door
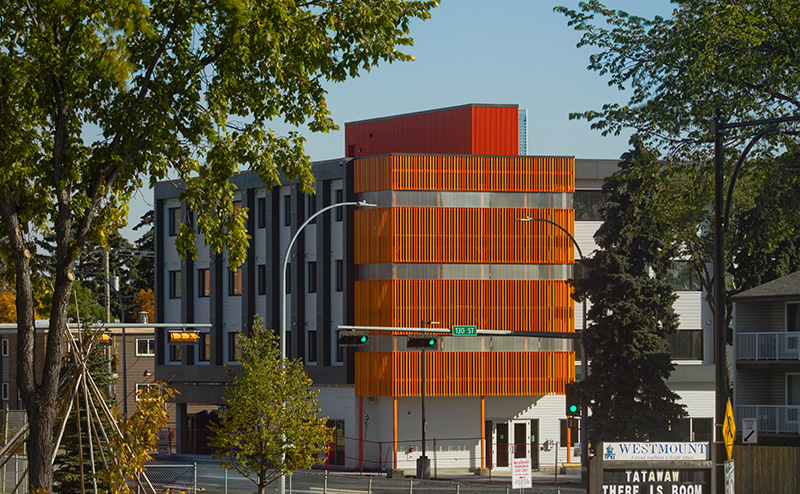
(520, 439)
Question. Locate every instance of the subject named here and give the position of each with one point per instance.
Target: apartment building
(442, 248)
(766, 370)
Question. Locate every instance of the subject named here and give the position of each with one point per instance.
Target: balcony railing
(772, 419)
(768, 346)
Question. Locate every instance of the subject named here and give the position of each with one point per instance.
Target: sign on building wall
(651, 468)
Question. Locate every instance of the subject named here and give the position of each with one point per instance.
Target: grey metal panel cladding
(468, 199)
(462, 271)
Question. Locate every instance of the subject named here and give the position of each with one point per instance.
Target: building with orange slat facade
(442, 244)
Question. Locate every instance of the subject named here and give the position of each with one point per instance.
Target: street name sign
(464, 330)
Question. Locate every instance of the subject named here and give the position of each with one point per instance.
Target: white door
(519, 445)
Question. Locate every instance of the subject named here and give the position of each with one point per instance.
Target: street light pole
(584, 359)
(423, 467)
(282, 295)
(124, 347)
(721, 214)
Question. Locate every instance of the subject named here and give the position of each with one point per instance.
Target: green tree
(270, 423)
(738, 56)
(101, 97)
(631, 312)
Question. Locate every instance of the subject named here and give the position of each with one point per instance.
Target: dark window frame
(203, 282)
(287, 210)
(261, 216)
(235, 282)
(174, 221)
(175, 284)
(261, 279)
(339, 275)
(312, 277)
(339, 193)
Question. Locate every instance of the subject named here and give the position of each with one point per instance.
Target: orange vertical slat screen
(479, 173)
(473, 235)
(516, 305)
(464, 373)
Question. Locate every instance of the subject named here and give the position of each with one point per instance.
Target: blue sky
(480, 51)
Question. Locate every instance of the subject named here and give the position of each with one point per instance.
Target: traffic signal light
(572, 401)
(422, 341)
(182, 336)
(353, 338)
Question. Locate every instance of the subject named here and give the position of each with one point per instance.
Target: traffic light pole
(423, 466)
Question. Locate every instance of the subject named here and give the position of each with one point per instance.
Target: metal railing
(768, 346)
(772, 419)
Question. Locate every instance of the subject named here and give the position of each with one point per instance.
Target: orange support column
(394, 431)
(483, 432)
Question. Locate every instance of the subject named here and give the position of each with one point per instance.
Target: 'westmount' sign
(651, 468)
(656, 452)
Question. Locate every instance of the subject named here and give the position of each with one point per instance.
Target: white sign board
(641, 451)
(749, 431)
(729, 476)
(521, 474)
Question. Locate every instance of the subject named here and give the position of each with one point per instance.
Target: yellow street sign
(729, 429)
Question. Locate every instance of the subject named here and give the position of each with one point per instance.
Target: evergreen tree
(631, 312)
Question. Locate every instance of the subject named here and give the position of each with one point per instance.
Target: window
(235, 281)
(336, 444)
(692, 429)
(145, 346)
(203, 347)
(142, 386)
(339, 275)
(234, 347)
(287, 210)
(587, 205)
(339, 199)
(4, 347)
(203, 282)
(261, 213)
(574, 432)
(175, 353)
(174, 284)
(686, 344)
(288, 277)
(312, 277)
(312, 207)
(5, 391)
(311, 355)
(683, 277)
(793, 316)
(174, 221)
(261, 279)
(339, 348)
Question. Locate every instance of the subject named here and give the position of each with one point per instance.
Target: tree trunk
(40, 446)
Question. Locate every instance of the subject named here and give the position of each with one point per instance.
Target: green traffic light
(573, 408)
(363, 338)
(431, 342)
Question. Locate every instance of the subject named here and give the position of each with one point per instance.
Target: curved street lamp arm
(736, 169)
(286, 263)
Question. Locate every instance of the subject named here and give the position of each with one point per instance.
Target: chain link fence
(167, 478)
(215, 479)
